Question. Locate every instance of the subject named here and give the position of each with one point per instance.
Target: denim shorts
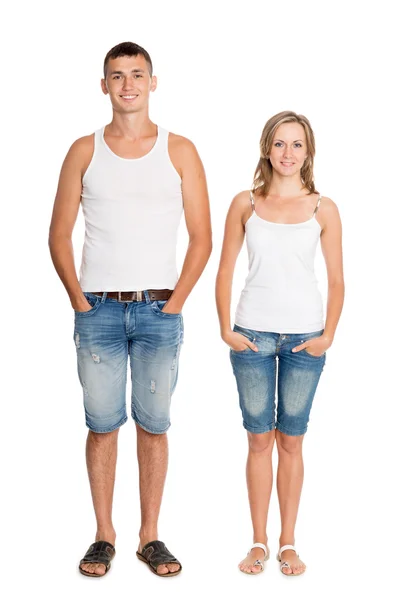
(295, 376)
(105, 337)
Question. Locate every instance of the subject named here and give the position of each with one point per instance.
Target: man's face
(129, 83)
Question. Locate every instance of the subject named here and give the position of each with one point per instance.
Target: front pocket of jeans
(157, 309)
(92, 310)
(312, 355)
(244, 333)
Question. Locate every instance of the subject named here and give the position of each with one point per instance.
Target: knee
(149, 437)
(103, 438)
(261, 442)
(289, 444)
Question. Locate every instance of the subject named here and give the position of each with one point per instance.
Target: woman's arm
(239, 212)
(331, 245)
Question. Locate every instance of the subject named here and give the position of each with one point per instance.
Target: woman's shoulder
(327, 211)
(242, 199)
(327, 205)
(241, 205)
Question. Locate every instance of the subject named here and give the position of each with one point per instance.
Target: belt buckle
(139, 297)
(120, 299)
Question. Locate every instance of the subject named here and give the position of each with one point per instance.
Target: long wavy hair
(263, 173)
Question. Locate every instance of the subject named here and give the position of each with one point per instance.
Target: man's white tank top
(132, 209)
(281, 292)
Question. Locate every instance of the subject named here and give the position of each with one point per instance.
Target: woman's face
(289, 149)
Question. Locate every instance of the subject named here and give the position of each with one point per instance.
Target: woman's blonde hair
(263, 172)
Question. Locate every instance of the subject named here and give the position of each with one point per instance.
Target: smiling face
(289, 149)
(128, 82)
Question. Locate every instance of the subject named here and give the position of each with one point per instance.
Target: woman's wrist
(226, 331)
(327, 336)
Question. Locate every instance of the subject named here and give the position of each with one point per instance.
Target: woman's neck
(286, 186)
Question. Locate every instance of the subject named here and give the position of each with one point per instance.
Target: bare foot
(293, 564)
(247, 564)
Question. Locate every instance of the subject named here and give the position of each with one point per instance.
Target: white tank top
(132, 208)
(281, 292)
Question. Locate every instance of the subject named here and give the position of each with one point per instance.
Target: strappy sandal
(155, 554)
(99, 552)
(285, 564)
(258, 563)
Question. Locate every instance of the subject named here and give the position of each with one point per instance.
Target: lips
(129, 97)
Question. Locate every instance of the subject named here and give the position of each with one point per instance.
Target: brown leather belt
(138, 296)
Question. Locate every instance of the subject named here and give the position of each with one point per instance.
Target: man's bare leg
(152, 453)
(101, 460)
(259, 485)
(289, 484)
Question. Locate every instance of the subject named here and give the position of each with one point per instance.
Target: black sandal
(99, 552)
(155, 554)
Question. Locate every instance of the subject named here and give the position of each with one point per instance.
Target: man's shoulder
(81, 151)
(179, 141)
(83, 144)
(182, 150)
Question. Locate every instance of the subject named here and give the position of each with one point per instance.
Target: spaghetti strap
(252, 201)
(318, 203)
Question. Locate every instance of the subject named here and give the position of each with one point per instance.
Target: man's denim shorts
(105, 337)
(294, 374)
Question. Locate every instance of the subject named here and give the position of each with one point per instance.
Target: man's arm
(196, 208)
(65, 212)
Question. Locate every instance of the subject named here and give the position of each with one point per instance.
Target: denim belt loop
(146, 295)
(103, 298)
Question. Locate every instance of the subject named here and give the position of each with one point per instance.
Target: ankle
(260, 539)
(106, 534)
(147, 535)
(286, 540)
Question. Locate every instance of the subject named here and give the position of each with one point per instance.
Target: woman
(279, 323)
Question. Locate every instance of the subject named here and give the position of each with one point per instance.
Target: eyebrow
(293, 142)
(121, 72)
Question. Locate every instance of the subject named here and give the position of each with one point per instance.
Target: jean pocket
(94, 302)
(157, 307)
(313, 355)
(247, 334)
(311, 336)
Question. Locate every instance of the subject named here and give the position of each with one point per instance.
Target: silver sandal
(258, 563)
(285, 564)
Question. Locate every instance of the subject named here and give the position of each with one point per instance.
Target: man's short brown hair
(127, 49)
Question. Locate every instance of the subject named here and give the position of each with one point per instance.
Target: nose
(128, 83)
(287, 152)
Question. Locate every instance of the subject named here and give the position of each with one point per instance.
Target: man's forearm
(62, 255)
(196, 258)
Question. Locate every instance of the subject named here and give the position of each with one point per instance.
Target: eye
(278, 144)
(298, 145)
(138, 75)
(116, 76)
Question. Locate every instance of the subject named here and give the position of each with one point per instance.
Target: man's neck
(131, 126)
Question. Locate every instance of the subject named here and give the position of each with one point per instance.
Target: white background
(224, 68)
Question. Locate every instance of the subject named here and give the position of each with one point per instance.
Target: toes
(299, 570)
(100, 569)
(162, 569)
(286, 570)
(173, 567)
(94, 568)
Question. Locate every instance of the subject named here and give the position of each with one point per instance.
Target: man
(134, 180)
